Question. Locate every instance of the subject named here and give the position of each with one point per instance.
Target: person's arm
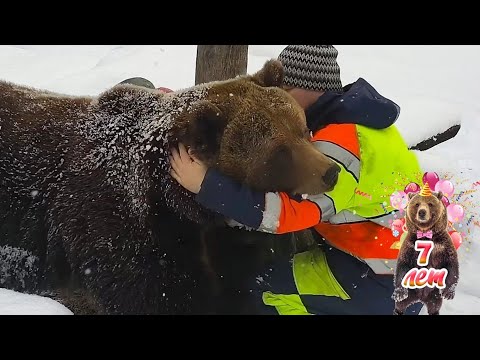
(273, 212)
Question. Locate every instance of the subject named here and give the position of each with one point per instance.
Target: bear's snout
(315, 172)
(423, 214)
(331, 176)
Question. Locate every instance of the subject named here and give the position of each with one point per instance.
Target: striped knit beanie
(311, 67)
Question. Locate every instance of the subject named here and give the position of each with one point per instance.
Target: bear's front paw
(449, 293)
(400, 294)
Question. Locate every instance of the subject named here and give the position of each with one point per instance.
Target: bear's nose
(422, 213)
(331, 176)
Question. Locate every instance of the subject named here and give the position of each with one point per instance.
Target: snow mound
(14, 303)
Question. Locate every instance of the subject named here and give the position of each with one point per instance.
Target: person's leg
(370, 294)
(277, 278)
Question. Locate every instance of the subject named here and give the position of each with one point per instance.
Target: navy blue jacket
(359, 103)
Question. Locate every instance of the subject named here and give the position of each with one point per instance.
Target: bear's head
(252, 130)
(426, 212)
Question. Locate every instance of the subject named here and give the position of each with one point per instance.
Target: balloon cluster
(455, 212)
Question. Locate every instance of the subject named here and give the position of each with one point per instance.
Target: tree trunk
(220, 62)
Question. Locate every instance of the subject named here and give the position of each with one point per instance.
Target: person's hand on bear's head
(187, 169)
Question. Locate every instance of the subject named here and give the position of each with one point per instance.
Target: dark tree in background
(220, 62)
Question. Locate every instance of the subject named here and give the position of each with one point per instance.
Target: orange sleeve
(297, 215)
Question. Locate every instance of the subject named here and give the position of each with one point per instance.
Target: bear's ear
(411, 195)
(201, 129)
(439, 195)
(271, 74)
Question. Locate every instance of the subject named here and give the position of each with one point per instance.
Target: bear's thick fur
(426, 213)
(87, 202)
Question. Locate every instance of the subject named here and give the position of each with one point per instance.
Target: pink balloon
(399, 200)
(412, 188)
(397, 227)
(456, 239)
(445, 201)
(455, 213)
(398, 223)
(431, 178)
(445, 186)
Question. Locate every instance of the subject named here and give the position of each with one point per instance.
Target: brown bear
(426, 218)
(87, 202)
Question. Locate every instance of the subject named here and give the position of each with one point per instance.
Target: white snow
(14, 303)
(435, 86)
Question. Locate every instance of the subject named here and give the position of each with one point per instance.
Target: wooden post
(220, 62)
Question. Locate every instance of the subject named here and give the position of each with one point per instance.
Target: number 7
(425, 247)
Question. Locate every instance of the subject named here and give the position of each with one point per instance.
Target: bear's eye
(417, 205)
(430, 204)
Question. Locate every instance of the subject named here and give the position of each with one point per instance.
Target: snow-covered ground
(14, 303)
(436, 87)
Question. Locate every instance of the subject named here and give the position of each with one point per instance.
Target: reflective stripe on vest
(326, 205)
(349, 161)
(347, 217)
(382, 266)
(384, 220)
